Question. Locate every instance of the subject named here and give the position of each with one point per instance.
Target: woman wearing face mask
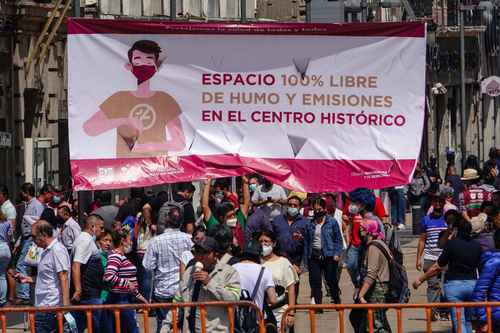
(375, 277)
(323, 249)
(284, 275)
(226, 213)
(121, 274)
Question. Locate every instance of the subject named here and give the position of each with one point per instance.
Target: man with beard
(432, 224)
(147, 122)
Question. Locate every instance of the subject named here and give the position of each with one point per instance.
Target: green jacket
(223, 286)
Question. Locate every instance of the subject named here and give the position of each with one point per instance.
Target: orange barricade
(173, 307)
(341, 309)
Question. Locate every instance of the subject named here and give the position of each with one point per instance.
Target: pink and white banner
(316, 107)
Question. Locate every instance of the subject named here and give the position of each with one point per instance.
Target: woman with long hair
(462, 256)
(284, 275)
(121, 275)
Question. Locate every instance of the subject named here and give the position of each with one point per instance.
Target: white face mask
(232, 222)
(267, 250)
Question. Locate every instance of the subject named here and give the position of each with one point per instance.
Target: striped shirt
(432, 227)
(119, 272)
(471, 199)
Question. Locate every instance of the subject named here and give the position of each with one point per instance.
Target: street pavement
(413, 320)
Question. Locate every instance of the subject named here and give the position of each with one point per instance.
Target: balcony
(186, 9)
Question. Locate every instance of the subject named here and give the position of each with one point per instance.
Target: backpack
(245, 317)
(166, 207)
(393, 243)
(398, 279)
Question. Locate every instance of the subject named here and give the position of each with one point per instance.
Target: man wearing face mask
(83, 248)
(147, 122)
(228, 213)
(291, 229)
(323, 249)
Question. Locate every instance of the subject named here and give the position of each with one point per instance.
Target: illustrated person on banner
(147, 121)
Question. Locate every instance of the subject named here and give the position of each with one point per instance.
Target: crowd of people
(252, 244)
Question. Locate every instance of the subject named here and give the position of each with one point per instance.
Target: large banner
(313, 107)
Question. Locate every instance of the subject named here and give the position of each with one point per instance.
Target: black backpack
(246, 317)
(398, 279)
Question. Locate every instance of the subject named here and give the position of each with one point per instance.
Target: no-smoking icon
(145, 113)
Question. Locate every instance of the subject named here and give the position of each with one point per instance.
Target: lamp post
(463, 109)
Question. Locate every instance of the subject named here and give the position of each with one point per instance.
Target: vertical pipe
(76, 8)
(243, 10)
(312, 321)
(495, 119)
(463, 121)
(117, 321)
(308, 11)
(230, 315)
(4, 323)
(173, 9)
(488, 319)
(203, 319)
(60, 322)
(145, 314)
(399, 320)
(174, 320)
(89, 322)
(458, 317)
(341, 321)
(32, 322)
(370, 320)
(428, 319)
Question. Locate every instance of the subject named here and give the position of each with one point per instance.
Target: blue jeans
(128, 318)
(23, 289)
(46, 322)
(352, 262)
(460, 291)
(398, 206)
(144, 278)
(81, 319)
(4, 263)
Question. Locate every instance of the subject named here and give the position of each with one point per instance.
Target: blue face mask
(253, 187)
(293, 211)
(56, 199)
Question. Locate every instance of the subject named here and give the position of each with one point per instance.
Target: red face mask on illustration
(143, 72)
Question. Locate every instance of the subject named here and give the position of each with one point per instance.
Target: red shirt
(379, 211)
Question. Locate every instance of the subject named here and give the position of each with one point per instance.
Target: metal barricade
(342, 308)
(146, 308)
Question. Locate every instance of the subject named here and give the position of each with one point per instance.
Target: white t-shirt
(284, 275)
(249, 273)
(276, 193)
(83, 248)
(9, 210)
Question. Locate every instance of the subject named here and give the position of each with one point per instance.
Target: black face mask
(319, 214)
(235, 250)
